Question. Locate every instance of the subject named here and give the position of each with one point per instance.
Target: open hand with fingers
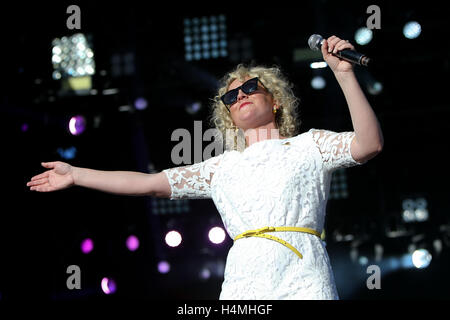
(59, 176)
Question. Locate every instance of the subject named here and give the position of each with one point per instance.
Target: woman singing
(272, 193)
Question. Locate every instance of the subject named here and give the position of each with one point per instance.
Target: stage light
(412, 30)
(163, 267)
(421, 258)
(72, 57)
(125, 108)
(318, 65)
(140, 103)
(421, 214)
(194, 107)
(408, 216)
(108, 285)
(363, 260)
(318, 83)
(421, 211)
(379, 249)
(87, 245)
(205, 274)
(24, 127)
(77, 125)
(415, 210)
(375, 88)
(205, 38)
(363, 36)
(415, 259)
(212, 269)
(110, 91)
(132, 243)
(437, 245)
(67, 154)
(173, 238)
(216, 235)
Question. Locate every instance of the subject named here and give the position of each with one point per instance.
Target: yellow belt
(261, 233)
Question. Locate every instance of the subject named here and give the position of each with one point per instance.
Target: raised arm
(369, 139)
(62, 175)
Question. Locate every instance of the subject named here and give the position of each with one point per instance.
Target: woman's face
(251, 110)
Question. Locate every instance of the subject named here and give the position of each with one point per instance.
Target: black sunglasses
(248, 87)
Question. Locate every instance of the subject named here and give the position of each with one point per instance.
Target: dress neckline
(260, 142)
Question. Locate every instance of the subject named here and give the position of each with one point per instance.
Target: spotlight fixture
(205, 38)
(73, 62)
(72, 57)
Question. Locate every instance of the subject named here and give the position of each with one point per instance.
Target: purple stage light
(132, 243)
(163, 267)
(108, 285)
(140, 104)
(77, 125)
(205, 274)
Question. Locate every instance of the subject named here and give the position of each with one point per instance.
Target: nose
(241, 95)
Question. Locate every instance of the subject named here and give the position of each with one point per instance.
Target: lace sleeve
(192, 181)
(335, 148)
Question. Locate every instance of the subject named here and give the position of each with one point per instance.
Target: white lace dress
(278, 182)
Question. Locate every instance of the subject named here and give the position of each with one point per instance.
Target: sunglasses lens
(230, 97)
(250, 86)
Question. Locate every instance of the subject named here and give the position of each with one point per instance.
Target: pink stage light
(163, 267)
(132, 243)
(87, 245)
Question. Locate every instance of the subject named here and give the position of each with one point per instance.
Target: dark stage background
(146, 85)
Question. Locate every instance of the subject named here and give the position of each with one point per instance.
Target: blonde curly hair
(286, 118)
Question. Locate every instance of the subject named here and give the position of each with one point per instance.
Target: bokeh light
(216, 235)
(77, 125)
(108, 285)
(173, 238)
(87, 245)
(163, 267)
(132, 243)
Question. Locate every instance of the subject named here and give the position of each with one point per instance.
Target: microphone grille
(315, 42)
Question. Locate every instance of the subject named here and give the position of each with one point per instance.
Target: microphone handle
(353, 56)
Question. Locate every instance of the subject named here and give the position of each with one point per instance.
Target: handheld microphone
(315, 43)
